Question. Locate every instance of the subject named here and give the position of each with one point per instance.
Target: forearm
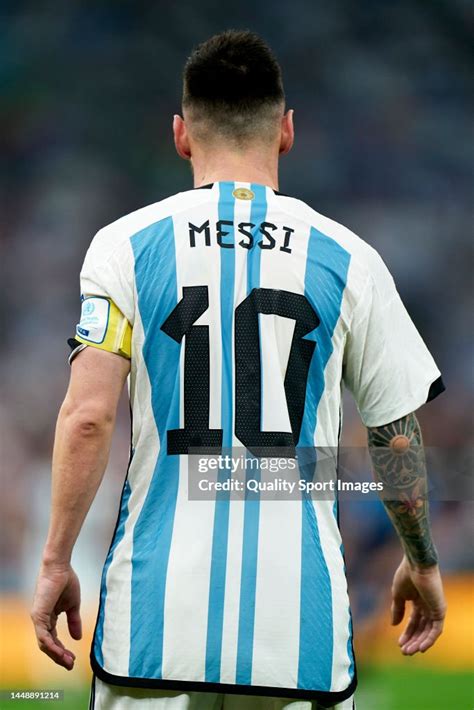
(399, 463)
(81, 450)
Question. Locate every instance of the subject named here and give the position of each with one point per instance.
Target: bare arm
(81, 450)
(399, 463)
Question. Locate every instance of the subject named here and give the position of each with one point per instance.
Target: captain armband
(102, 326)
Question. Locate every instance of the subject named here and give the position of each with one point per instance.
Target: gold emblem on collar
(243, 193)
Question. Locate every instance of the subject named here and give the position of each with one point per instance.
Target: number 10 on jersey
(248, 377)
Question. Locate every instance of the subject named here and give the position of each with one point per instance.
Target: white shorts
(114, 697)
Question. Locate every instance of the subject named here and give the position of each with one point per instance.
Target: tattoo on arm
(399, 463)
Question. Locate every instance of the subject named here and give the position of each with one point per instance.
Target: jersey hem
(324, 698)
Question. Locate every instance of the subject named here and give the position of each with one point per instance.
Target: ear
(181, 140)
(287, 135)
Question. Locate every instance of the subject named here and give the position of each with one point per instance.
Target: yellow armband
(104, 326)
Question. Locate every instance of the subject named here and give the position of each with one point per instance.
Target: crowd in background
(383, 99)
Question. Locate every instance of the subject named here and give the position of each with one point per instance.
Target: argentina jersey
(243, 313)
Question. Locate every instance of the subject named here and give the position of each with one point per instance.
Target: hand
(424, 588)
(57, 590)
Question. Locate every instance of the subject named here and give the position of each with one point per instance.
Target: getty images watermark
(323, 474)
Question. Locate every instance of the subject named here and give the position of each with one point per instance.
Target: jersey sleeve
(387, 366)
(106, 299)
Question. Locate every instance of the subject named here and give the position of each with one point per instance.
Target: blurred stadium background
(383, 96)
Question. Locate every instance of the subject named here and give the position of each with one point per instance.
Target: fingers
(74, 623)
(410, 646)
(56, 591)
(411, 628)
(54, 634)
(433, 632)
(425, 635)
(397, 610)
(48, 642)
(54, 649)
(423, 587)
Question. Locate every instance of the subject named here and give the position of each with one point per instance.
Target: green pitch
(379, 689)
(414, 689)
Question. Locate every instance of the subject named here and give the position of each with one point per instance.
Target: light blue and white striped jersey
(249, 311)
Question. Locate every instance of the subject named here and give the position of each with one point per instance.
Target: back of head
(233, 89)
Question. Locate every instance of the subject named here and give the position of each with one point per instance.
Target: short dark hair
(232, 85)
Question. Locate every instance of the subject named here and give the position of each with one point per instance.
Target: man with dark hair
(233, 89)
(238, 313)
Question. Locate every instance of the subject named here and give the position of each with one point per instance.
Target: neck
(235, 167)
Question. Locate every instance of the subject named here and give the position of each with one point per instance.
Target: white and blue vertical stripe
(215, 611)
(252, 504)
(325, 279)
(161, 262)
